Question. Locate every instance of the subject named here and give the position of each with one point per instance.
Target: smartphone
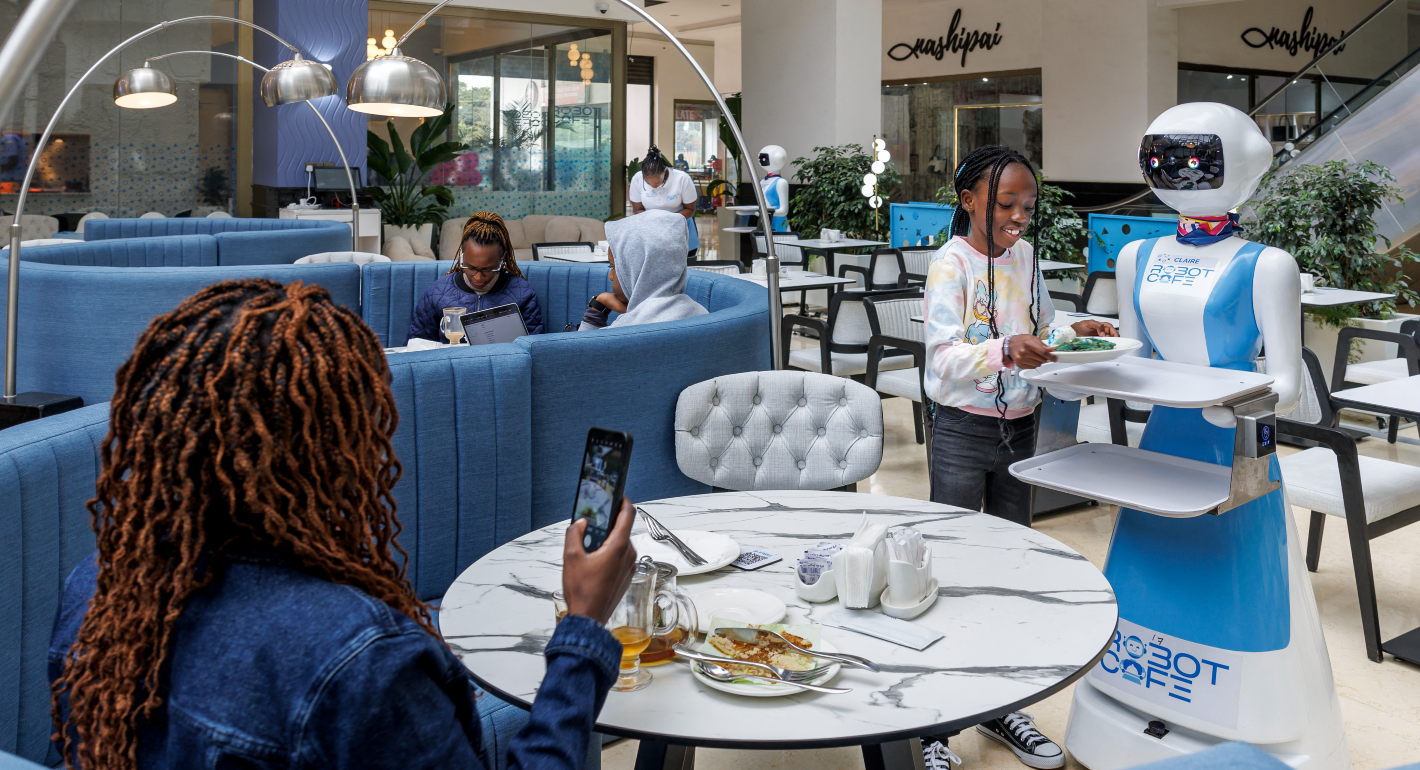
(603, 481)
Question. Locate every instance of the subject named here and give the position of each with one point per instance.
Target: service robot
(1218, 638)
(776, 188)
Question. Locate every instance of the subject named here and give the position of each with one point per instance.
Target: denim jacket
(271, 667)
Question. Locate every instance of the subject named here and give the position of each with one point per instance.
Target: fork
(782, 674)
(721, 674)
(660, 533)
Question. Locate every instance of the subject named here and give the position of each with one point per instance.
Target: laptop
(497, 324)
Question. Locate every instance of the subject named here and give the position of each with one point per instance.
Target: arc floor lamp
(399, 85)
(291, 81)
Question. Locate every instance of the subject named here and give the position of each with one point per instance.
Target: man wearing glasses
(484, 276)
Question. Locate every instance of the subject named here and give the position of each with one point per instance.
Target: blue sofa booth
(237, 241)
(490, 437)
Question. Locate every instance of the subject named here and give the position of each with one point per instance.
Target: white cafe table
(1052, 266)
(828, 249)
(371, 229)
(1023, 616)
(1330, 296)
(584, 257)
(1061, 318)
(1398, 397)
(796, 280)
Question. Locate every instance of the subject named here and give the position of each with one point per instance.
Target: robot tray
(1132, 478)
(1166, 383)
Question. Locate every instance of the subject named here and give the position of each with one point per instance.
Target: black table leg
(897, 755)
(665, 756)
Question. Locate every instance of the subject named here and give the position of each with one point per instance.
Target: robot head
(772, 157)
(1204, 159)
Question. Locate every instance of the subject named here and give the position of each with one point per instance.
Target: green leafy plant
(212, 190)
(727, 137)
(1325, 217)
(404, 199)
(1058, 228)
(633, 167)
(832, 195)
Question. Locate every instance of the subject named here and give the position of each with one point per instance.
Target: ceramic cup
(757, 267)
(908, 583)
(1308, 283)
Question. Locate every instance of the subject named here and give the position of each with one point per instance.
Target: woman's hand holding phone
(594, 582)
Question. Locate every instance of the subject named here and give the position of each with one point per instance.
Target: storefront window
(697, 132)
(930, 127)
(532, 102)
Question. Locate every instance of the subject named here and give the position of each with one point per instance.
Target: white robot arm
(1276, 295)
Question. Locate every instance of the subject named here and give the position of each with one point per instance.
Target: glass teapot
(687, 622)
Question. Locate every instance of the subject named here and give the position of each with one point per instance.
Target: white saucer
(717, 549)
(739, 604)
(907, 613)
(768, 690)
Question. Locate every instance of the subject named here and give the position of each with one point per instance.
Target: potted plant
(831, 195)
(407, 205)
(1325, 217)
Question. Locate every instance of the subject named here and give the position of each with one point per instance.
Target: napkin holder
(875, 581)
(826, 589)
(908, 583)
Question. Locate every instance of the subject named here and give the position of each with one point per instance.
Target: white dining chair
(153, 215)
(356, 257)
(91, 215)
(219, 215)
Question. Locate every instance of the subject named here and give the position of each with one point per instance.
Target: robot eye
(1193, 163)
(1154, 162)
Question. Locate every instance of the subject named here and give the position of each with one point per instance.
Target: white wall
(727, 57)
(675, 79)
(1205, 38)
(904, 21)
(812, 73)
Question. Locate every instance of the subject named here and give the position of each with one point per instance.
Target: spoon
(721, 674)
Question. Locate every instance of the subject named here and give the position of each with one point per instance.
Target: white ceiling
(693, 18)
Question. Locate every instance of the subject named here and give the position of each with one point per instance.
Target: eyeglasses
(478, 271)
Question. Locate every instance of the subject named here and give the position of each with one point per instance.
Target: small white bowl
(826, 589)
(907, 613)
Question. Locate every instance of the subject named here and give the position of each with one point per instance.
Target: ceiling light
(396, 85)
(985, 79)
(1230, 77)
(297, 80)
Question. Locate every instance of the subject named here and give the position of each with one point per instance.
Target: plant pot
(423, 232)
(1322, 340)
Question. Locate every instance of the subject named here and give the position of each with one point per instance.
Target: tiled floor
(1380, 702)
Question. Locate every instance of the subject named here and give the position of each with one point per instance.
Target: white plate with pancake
(745, 606)
(716, 549)
(765, 690)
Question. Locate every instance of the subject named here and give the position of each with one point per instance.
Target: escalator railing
(1348, 107)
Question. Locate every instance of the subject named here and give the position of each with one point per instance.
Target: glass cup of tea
(451, 325)
(686, 627)
(559, 605)
(634, 624)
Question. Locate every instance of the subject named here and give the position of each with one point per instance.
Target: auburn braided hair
(253, 415)
(488, 229)
(989, 162)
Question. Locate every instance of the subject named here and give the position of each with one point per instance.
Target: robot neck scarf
(1201, 231)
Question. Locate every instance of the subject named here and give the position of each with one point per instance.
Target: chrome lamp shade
(297, 80)
(144, 89)
(397, 86)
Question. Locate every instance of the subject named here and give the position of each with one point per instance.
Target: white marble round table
(1023, 616)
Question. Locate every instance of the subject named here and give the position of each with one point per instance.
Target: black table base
(1405, 647)
(895, 755)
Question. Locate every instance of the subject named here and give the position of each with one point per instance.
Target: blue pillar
(287, 137)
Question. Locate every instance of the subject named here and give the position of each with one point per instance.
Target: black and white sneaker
(1017, 732)
(937, 756)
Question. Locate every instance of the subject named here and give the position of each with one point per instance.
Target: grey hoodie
(649, 249)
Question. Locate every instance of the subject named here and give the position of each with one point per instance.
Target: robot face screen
(764, 159)
(1182, 161)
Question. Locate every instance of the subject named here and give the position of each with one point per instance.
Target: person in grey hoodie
(647, 254)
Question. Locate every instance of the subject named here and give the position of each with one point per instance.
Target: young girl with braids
(985, 317)
(485, 274)
(247, 605)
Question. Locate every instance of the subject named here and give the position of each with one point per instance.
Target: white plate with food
(716, 549)
(1071, 349)
(744, 606)
(765, 689)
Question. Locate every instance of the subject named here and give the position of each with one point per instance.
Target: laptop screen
(499, 324)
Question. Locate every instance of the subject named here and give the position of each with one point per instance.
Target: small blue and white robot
(1219, 637)
(776, 188)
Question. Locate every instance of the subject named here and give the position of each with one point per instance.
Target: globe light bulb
(572, 56)
(389, 40)
(879, 144)
(870, 179)
(875, 202)
(867, 191)
(878, 167)
(884, 156)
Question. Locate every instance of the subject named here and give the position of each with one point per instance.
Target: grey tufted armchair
(779, 430)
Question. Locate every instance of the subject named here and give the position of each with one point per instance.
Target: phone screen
(602, 482)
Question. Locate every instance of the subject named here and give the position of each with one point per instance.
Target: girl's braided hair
(251, 416)
(487, 229)
(989, 162)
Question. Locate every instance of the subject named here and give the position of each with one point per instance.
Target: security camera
(602, 7)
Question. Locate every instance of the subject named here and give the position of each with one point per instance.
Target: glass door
(475, 124)
(522, 160)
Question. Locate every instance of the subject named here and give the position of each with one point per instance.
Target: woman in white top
(658, 186)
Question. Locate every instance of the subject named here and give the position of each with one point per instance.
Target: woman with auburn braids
(247, 604)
